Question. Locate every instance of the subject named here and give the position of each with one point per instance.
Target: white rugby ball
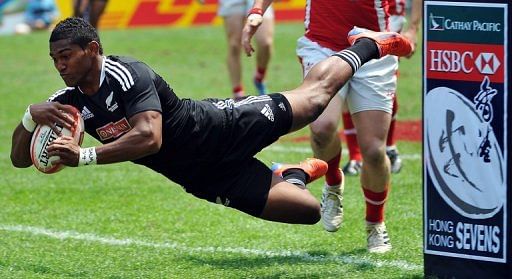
(43, 135)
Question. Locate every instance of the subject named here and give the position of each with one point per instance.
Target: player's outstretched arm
(145, 138)
(47, 113)
(254, 20)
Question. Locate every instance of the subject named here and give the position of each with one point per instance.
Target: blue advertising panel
(465, 139)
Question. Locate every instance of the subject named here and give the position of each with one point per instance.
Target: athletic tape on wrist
(27, 121)
(257, 11)
(87, 156)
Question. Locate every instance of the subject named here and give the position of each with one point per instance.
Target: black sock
(296, 176)
(362, 51)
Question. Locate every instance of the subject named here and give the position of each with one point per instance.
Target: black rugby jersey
(129, 86)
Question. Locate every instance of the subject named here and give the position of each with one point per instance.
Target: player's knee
(266, 43)
(374, 155)
(234, 47)
(324, 129)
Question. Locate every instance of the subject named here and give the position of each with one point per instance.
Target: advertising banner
(153, 13)
(466, 139)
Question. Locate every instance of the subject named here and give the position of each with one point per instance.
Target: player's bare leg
(324, 131)
(322, 83)
(97, 9)
(310, 99)
(372, 128)
(264, 43)
(326, 145)
(327, 77)
(354, 163)
(289, 200)
(233, 27)
(391, 148)
(79, 6)
(289, 203)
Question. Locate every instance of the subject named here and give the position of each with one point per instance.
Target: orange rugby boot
(390, 43)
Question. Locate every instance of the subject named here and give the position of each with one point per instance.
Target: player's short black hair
(77, 30)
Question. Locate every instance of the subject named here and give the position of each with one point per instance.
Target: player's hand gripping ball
(44, 135)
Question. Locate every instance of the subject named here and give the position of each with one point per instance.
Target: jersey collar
(102, 74)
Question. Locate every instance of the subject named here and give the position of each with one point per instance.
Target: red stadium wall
(146, 13)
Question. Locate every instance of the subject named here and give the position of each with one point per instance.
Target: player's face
(71, 61)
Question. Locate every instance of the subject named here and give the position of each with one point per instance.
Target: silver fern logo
(108, 102)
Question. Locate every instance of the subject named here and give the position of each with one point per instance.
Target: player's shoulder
(125, 70)
(120, 62)
(62, 94)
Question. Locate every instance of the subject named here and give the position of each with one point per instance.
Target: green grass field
(124, 221)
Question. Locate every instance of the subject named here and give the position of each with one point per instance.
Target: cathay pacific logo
(441, 23)
(436, 23)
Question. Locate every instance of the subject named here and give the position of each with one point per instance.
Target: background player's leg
(353, 166)
(233, 25)
(97, 9)
(79, 7)
(372, 127)
(264, 43)
(326, 145)
(391, 148)
(325, 141)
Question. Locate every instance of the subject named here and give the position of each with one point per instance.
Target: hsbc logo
(456, 61)
(451, 61)
(487, 63)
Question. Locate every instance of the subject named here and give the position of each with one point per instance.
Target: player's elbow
(20, 163)
(151, 141)
(154, 146)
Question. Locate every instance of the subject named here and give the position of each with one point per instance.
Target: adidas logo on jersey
(267, 111)
(281, 105)
(86, 113)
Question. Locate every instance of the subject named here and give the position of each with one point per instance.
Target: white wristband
(255, 19)
(87, 156)
(27, 121)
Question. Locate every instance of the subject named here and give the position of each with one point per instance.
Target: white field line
(307, 150)
(304, 256)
